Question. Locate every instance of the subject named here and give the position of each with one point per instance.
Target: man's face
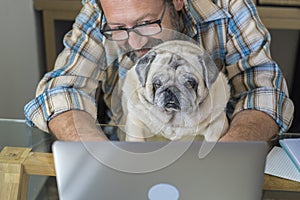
(129, 13)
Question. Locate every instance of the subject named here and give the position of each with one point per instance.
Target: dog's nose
(171, 99)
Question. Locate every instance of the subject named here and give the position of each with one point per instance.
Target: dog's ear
(143, 66)
(209, 68)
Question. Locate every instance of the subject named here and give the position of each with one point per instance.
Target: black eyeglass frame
(133, 28)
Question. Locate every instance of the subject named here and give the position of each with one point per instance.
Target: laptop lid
(159, 170)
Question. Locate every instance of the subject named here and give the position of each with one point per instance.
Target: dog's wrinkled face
(174, 83)
(175, 91)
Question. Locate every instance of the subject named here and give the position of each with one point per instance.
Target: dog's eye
(156, 84)
(191, 84)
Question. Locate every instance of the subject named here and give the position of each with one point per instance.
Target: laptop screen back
(157, 170)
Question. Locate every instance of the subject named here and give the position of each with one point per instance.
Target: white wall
(19, 56)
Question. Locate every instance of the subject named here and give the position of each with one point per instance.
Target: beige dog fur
(199, 94)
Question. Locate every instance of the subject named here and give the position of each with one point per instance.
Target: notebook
(279, 164)
(159, 170)
(292, 148)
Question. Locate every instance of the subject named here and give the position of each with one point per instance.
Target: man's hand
(251, 125)
(76, 125)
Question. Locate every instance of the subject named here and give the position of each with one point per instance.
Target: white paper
(292, 148)
(279, 164)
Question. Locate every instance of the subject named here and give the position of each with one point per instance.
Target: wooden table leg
(13, 179)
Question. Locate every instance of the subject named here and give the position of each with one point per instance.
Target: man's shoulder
(95, 3)
(222, 4)
(209, 10)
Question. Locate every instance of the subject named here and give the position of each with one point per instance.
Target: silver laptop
(159, 170)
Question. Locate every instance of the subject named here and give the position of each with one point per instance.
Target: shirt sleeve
(257, 81)
(79, 67)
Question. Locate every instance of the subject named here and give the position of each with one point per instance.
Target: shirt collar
(201, 11)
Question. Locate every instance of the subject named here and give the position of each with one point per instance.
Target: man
(230, 31)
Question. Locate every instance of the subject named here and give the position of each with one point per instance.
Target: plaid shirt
(230, 31)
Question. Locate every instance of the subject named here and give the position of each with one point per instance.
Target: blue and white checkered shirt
(230, 31)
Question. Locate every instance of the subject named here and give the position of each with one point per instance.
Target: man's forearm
(251, 125)
(76, 126)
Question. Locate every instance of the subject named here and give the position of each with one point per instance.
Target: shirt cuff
(272, 102)
(46, 106)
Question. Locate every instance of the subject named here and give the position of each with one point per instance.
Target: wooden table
(274, 17)
(16, 164)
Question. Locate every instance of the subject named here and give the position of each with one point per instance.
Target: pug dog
(175, 92)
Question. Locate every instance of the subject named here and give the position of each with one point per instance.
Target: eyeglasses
(147, 28)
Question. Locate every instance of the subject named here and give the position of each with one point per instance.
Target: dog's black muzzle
(171, 102)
